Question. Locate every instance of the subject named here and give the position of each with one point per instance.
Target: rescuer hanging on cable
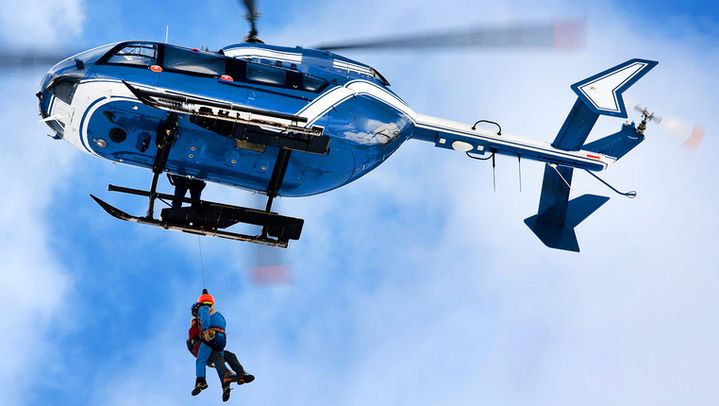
(212, 333)
(235, 374)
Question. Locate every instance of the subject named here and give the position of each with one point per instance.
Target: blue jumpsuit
(218, 343)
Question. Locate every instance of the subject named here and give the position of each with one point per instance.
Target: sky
(415, 285)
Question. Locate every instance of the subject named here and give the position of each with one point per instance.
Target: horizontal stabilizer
(563, 237)
(618, 144)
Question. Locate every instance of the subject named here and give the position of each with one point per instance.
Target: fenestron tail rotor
(546, 35)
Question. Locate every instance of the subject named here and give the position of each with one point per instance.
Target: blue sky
(416, 271)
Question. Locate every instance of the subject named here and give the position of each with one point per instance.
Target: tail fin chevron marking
(602, 93)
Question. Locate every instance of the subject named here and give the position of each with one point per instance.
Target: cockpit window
(379, 77)
(312, 83)
(141, 54)
(63, 87)
(193, 61)
(275, 76)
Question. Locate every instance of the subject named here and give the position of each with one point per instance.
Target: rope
(202, 262)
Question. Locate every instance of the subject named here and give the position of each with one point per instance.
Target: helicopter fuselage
(85, 99)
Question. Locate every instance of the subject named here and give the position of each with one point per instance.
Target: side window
(265, 74)
(244, 71)
(192, 61)
(312, 83)
(135, 54)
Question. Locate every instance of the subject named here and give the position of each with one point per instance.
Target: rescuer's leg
(203, 355)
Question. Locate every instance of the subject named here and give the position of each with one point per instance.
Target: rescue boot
(226, 392)
(244, 378)
(200, 385)
(229, 377)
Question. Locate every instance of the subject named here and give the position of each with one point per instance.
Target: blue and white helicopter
(292, 121)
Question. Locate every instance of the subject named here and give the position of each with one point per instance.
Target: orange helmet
(206, 298)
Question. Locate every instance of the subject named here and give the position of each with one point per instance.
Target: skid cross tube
(278, 176)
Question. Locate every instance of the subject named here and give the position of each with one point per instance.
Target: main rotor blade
(558, 35)
(13, 60)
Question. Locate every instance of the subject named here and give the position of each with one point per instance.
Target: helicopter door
(194, 72)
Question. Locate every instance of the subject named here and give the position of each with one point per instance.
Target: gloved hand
(208, 335)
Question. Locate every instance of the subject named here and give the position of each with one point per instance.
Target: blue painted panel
(564, 237)
(618, 144)
(207, 87)
(576, 127)
(129, 73)
(204, 154)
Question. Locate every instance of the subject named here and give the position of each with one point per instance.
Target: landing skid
(210, 217)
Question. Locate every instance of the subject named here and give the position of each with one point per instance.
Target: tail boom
(461, 137)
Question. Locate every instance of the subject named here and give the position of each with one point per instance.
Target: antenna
(167, 34)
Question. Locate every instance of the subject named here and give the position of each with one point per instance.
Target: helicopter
(294, 121)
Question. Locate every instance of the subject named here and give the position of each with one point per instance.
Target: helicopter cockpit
(60, 83)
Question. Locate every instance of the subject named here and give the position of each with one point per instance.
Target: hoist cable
(202, 262)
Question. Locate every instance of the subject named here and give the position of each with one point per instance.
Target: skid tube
(277, 230)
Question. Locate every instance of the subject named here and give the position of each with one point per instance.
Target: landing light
(461, 146)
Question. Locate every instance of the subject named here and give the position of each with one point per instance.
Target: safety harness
(209, 334)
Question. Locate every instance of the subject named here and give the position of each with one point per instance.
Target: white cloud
(35, 284)
(40, 23)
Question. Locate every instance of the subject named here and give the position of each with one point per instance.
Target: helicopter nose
(44, 96)
(55, 100)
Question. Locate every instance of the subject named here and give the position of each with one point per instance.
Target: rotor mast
(252, 16)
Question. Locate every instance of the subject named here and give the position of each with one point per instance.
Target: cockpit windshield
(139, 54)
(90, 56)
